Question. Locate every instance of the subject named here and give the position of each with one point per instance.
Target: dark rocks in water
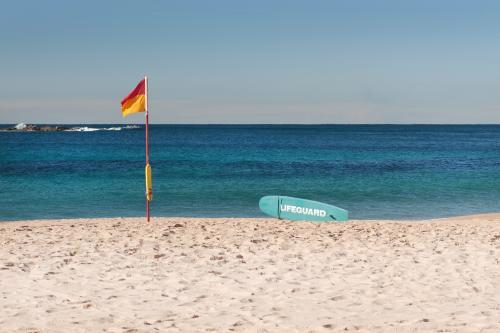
(53, 128)
(34, 128)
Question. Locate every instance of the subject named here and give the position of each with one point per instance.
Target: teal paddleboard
(297, 209)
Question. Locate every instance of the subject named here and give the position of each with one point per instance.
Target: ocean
(374, 171)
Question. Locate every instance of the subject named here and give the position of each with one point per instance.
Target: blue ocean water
(374, 171)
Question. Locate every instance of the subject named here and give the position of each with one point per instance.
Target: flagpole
(147, 141)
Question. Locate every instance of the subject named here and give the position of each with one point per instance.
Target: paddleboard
(297, 209)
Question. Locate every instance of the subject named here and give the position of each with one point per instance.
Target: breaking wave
(93, 129)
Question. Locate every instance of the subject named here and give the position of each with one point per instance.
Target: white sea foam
(83, 129)
(93, 129)
(21, 126)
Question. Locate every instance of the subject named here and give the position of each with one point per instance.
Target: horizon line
(266, 124)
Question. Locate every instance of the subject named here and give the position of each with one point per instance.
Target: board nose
(269, 205)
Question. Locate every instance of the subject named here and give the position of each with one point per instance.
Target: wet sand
(250, 275)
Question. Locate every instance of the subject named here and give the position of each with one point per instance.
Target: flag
(135, 100)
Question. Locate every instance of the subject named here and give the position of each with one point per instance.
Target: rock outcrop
(22, 127)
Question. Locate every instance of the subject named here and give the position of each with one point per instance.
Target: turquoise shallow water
(374, 171)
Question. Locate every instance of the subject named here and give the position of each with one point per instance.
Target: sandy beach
(250, 275)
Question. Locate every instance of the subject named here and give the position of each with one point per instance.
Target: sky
(305, 62)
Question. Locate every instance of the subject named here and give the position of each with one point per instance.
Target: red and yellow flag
(135, 100)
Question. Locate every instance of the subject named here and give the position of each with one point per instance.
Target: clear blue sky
(252, 61)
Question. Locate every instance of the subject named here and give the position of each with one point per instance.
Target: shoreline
(493, 215)
(248, 274)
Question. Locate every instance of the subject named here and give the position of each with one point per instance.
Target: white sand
(250, 275)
